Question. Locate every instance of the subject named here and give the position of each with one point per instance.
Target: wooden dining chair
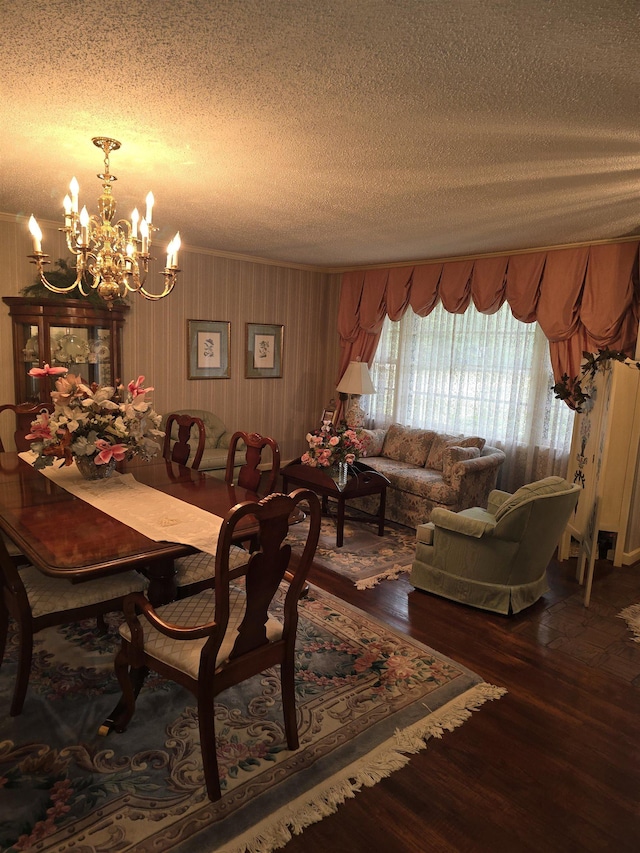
(250, 475)
(195, 572)
(20, 411)
(36, 601)
(225, 635)
(180, 450)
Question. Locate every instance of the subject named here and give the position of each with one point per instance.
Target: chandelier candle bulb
(150, 200)
(135, 218)
(75, 189)
(176, 246)
(66, 204)
(144, 233)
(84, 227)
(36, 233)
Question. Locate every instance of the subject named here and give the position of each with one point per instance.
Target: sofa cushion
(442, 440)
(408, 445)
(413, 480)
(453, 454)
(372, 441)
(546, 486)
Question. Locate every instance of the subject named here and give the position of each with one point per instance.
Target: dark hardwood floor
(552, 766)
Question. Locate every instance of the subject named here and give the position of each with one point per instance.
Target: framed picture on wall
(264, 351)
(328, 416)
(208, 348)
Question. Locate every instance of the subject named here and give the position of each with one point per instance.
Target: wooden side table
(362, 481)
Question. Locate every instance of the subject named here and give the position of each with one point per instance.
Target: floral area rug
(367, 698)
(631, 616)
(365, 558)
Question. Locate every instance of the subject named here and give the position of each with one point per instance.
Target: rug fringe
(322, 801)
(390, 574)
(631, 615)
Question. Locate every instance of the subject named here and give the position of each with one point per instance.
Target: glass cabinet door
(85, 351)
(28, 345)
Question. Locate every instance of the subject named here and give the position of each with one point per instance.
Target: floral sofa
(216, 445)
(427, 469)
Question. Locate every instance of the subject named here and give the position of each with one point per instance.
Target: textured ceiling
(332, 133)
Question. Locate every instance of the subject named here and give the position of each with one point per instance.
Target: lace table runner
(157, 516)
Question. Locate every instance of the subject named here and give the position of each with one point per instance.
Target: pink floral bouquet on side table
(328, 446)
(99, 422)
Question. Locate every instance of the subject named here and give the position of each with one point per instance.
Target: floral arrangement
(571, 390)
(328, 446)
(100, 422)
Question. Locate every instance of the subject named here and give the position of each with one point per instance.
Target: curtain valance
(584, 298)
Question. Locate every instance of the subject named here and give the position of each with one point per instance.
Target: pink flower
(134, 387)
(40, 429)
(334, 440)
(107, 451)
(47, 371)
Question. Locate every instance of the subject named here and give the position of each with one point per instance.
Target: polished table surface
(64, 536)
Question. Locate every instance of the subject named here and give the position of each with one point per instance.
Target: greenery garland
(64, 276)
(571, 391)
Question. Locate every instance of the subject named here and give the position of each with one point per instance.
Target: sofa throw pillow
(372, 441)
(392, 441)
(453, 454)
(442, 440)
(404, 444)
(546, 486)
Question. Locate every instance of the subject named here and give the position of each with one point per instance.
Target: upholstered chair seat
(52, 595)
(36, 601)
(196, 571)
(184, 655)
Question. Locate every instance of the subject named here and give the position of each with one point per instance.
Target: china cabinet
(63, 333)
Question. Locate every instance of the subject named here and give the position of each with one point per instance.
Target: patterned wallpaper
(211, 287)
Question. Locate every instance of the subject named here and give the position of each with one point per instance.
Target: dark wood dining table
(66, 537)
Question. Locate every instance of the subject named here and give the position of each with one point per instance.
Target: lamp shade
(356, 380)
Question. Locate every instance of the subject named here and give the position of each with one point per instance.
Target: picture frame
(264, 351)
(208, 349)
(328, 416)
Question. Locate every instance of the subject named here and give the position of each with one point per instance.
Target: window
(476, 374)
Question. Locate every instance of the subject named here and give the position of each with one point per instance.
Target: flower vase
(338, 474)
(90, 471)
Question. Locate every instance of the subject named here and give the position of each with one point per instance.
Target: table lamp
(355, 382)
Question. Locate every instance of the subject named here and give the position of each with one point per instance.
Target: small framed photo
(264, 351)
(328, 416)
(208, 349)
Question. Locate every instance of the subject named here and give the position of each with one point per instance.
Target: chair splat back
(250, 474)
(181, 449)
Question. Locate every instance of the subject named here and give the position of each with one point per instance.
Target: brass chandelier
(111, 257)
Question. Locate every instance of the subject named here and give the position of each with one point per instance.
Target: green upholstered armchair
(495, 558)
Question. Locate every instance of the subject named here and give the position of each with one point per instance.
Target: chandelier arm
(169, 283)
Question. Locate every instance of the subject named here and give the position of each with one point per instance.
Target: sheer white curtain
(477, 374)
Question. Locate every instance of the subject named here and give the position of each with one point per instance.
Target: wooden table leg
(162, 582)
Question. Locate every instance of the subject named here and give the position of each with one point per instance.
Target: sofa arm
(496, 498)
(458, 523)
(224, 440)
